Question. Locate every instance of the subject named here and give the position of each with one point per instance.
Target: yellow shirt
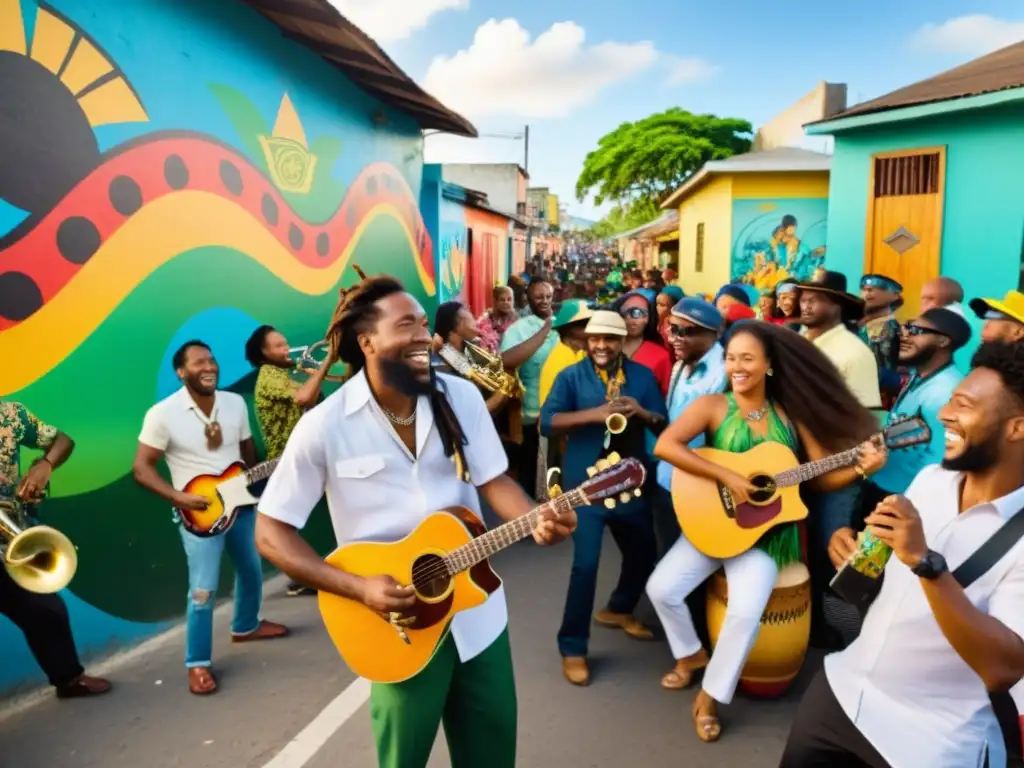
(561, 357)
(855, 361)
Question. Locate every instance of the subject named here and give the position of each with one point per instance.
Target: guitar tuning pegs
(624, 497)
(602, 464)
(614, 458)
(591, 471)
(609, 503)
(638, 493)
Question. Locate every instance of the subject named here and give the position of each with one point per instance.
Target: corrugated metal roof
(998, 71)
(664, 223)
(319, 26)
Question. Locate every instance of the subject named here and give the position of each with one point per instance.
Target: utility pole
(526, 151)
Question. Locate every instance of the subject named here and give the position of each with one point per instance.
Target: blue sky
(742, 58)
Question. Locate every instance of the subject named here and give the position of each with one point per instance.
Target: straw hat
(605, 323)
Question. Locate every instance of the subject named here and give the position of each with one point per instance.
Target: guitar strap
(991, 552)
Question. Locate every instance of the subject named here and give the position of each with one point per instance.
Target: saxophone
(616, 423)
(486, 369)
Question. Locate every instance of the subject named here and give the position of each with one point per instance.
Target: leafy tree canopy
(652, 157)
(622, 218)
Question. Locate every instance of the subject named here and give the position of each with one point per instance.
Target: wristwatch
(931, 566)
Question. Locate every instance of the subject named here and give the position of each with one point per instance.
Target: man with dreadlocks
(390, 447)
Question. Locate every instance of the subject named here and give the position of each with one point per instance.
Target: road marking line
(312, 738)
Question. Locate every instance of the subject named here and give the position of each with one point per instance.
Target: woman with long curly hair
(644, 344)
(782, 389)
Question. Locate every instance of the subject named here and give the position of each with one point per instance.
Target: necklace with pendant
(211, 429)
(758, 414)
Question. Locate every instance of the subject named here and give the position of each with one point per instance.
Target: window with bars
(907, 175)
(698, 263)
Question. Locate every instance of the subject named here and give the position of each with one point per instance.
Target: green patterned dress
(734, 435)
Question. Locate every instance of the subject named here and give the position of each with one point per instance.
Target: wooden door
(905, 214)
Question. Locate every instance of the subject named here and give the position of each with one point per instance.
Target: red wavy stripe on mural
(42, 260)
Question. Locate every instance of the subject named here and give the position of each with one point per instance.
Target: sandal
(709, 728)
(201, 681)
(678, 679)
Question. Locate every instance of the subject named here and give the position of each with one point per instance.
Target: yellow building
(552, 210)
(755, 218)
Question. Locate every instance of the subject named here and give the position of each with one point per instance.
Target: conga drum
(778, 653)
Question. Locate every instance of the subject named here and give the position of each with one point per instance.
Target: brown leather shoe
(624, 621)
(575, 670)
(82, 686)
(201, 681)
(267, 630)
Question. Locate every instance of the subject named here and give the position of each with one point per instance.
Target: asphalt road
(270, 711)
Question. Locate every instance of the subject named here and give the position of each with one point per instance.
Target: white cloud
(504, 73)
(388, 20)
(682, 71)
(972, 35)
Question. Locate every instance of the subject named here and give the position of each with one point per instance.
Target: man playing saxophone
(43, 618)
(604, 404)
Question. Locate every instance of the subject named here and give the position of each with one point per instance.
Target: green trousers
(475, 700)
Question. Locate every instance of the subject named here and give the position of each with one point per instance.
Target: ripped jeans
(203, 555)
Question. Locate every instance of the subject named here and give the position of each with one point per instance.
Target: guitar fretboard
(809, 471)
(260, 471)
(497, 539)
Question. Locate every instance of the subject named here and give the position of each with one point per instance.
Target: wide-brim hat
(606, 323)
(571, 311)
(1012, 306)
(834, 285)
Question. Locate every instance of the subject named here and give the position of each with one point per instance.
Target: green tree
(648, 159)
(622, 218)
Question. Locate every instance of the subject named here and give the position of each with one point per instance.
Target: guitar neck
(260, 471)
(497, 539)
(814, 469)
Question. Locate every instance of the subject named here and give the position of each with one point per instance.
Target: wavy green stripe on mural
(100, 393)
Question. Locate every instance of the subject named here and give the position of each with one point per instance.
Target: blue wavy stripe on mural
(226, 330)
(10, 217)
(95, 632)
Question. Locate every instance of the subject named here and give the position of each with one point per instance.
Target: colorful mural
(159, 182)
(452, 264)
(777, 239)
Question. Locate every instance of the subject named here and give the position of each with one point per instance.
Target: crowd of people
(920, 680)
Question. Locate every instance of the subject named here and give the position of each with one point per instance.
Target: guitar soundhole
(765, 489)
(430, 577)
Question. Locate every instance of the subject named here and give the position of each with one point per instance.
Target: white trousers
(751, 577)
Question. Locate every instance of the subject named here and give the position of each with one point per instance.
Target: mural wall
(777, 239)
(171, 170)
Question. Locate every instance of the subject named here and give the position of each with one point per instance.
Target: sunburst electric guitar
(445, 560)
(719, 527)
(227, 493)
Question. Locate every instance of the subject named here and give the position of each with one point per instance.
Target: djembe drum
(778, 653)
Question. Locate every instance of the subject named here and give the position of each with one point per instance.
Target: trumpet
(38, 558)
(306, 361)
(489, 373)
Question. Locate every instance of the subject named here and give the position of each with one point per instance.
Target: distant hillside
(578, 222)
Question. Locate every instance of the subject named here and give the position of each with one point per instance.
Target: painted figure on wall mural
(769, 248)
(116, 249)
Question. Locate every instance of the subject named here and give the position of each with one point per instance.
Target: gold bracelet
(860, 471)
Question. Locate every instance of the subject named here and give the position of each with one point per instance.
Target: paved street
(270, 711)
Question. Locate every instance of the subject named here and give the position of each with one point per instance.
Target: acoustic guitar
(445, 560)
(227, 493)
(719, 527)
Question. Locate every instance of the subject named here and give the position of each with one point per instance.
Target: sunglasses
(635, 313)
(919, 330)
(684, 331)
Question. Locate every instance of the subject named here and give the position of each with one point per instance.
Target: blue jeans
(633, 531)
(203, 555)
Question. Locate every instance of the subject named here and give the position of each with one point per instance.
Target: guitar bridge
(727, 502)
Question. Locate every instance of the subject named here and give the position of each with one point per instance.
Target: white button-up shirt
(901, 682)
(177, 427)
(377, 490)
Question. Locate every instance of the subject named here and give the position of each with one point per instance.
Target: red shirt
(658, 359)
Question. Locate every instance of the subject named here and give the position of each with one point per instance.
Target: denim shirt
(579, 388)
(923, 396)
(707, 377)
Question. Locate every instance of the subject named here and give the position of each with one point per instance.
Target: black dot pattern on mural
(269, 207)
(176, 172)
(77, 239)
(323, 244)
(371, 186)
(295, 237)
(231, 177)
(350, 217)
(389, 183)
(125, 195)
(20, 297)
